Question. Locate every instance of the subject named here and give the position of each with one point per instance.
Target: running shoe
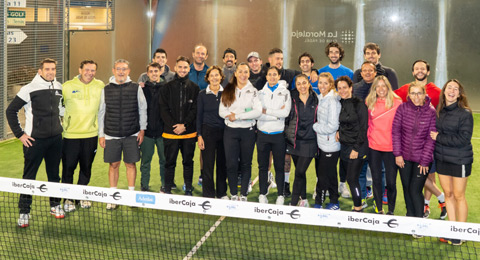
(344, 191)
(188, 193)
(333, 206)
(444, 240)
(385, 198)
(271, 181)
(23, 220)
(57, 211)
(317, 206)
(250, 186)
(416, 236)
(364, 204)
(443, 214)
(455, 242)
(369, 192)
(286, 190)
(225, 198)
(314, 195)
(243, 198)
(263, 199)
(111, 206)
(235, 198)
(303, 203)
(426, 211)
(280, 200)
(69, 206)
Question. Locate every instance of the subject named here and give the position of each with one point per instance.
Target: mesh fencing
(159, 226)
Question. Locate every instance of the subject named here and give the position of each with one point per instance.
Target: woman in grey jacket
(326, 127)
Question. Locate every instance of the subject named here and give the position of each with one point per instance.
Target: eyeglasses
(416, 94)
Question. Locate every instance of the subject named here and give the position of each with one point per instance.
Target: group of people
(358, 120)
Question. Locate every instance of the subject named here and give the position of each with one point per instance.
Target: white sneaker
(111, 206)
(69, 206)
(263, 199)
(341, 187)
(225, 198)
(314, 195)
(250, 184)
(303, 203)
(271, 181)
(280, 200)
(243, 198)
(23, 220)
(235, 198)
(57, 211)
(345, 191)
(85, 204)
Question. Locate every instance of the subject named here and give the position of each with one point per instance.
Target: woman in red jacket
(413, 147)
(382, 104)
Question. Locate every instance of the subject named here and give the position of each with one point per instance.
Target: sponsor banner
(248, 210)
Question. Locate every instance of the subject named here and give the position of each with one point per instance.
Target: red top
(432, 91)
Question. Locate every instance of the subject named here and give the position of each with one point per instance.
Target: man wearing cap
(258, 72)
(229, 65)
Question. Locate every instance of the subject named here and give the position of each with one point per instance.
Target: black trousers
(214, 153)
(300, 181)
(353, 169)
(172, 147)
(50, 150)
(413, 182)
(276, 144)
(375, 159)
(239, 143)
(78, 151)
(326, 169)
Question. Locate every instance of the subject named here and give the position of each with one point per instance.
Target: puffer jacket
(326, 127)
(411, 132)
(455, 128)
(353, 121)
(277, 104)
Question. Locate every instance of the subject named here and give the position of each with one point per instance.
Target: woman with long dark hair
(329, 149)
(352, 135)
(453, 149)
(239, 107)
(276, 104)
(382, 105)
(210, 127)
(301, 139)
(413, 147)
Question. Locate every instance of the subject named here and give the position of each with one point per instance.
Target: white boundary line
(203, 239)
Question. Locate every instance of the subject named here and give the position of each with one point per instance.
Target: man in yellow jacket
(80, 136)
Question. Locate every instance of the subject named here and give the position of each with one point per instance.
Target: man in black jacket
(42, 135)
(153, 134)
(178, 109)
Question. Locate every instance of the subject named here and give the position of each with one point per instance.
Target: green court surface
(140, 233)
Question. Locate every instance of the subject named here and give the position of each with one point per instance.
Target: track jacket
(247, 107)
(273, 121)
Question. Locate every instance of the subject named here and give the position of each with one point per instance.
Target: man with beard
(421, 71)
(306, 62)
(198, 68)
(229, 67)
(160, 57)
(335, 54)
(371, 52)
(258, 72)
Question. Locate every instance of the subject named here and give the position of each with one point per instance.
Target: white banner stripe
(248, 210)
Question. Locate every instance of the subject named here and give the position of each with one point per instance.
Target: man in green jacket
(80, 135)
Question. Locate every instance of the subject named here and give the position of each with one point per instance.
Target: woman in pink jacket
(382, 104)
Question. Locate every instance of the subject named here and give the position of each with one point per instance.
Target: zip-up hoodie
(274, 118)
(42, 101)
(380, 123)
(81, 108)
(411, 132)
(247, 107)
(326, 127)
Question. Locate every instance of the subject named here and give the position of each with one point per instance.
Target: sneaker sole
(22, 226)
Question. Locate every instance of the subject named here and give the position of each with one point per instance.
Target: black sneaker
(455, 242)
(443, 214)
(188, 193)
(174, 187)
(286, 190)
(144, 189)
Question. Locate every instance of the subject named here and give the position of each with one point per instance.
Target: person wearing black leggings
(239, 107)
(352, 135)
(301, 139)
(413, 147)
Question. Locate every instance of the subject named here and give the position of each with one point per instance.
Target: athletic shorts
(433, 168)
(115, 147)
(454, 170)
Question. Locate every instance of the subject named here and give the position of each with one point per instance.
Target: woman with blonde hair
(329, 149)
(453, 150)
(382, 105)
